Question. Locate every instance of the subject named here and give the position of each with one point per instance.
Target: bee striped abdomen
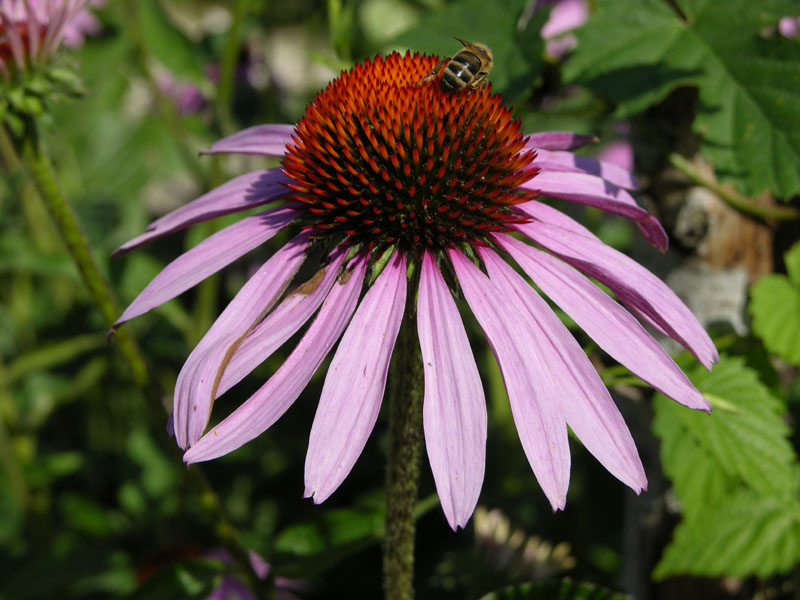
(461, 71)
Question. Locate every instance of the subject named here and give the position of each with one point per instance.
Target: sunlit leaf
(636, 51)
(775, 306)
(735, 476)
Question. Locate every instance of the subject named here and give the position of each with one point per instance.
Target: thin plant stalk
(731, 196)
(402, 478)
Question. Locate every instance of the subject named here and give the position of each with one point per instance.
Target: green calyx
(30, 93)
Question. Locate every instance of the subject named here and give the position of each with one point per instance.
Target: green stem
(405, 440)
(227, 74)
(731, 196)
(102, 297)
(74, 239)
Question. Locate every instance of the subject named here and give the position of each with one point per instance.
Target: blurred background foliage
(700, 97)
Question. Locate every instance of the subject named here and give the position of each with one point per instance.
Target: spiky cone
(405, 190)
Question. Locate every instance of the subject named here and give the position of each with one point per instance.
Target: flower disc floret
(383, 157)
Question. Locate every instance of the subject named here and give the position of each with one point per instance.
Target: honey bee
(468, 68)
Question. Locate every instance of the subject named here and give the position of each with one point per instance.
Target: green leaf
(746, 534)
(744, 437)
(517, 52)
(557, 590)
(158, 474)
(169, 45)
(636, 51)
(735, 475)
(337, 527)
(775, 306)
(792, 261)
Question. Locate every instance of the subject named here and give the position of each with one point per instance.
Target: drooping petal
(568, 378)
(572, 163)
(594, 191)
(540, 421)
(613, 328)
(558, 140)
(208, 257)
(243, 192)
(281, 324)
(194, 390)
(454, 411)
(548, 214)
(269, 140)
(634, 286)
(275, 397)
(353, 389)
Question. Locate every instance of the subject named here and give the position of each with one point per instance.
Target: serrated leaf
(517, 54)
(775, 306)
(744, 437)
(556, 590)
(636, 51)
(695, 482)
(792, 261)
(735, 475)
(747, 534)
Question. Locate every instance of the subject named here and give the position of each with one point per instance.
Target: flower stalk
(402, 477)
(74, 239)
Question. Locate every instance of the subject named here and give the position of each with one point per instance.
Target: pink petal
(613, 328)
(558, 140)
(353, 389)
(14, 39)
(197, 381)
(594, 191)
(569, 162)
(275, 397)
(246, 191)
(788, 27)
(454, 412)
(544, 212)
(208, 257)
(34, 32)
(568, 379)
(618, 153)
(540, 421)
(633, 285)
(565, 16)
(269, 140)
(281, 324)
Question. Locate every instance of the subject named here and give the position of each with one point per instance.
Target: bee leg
(481, 80)
(434, 73)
